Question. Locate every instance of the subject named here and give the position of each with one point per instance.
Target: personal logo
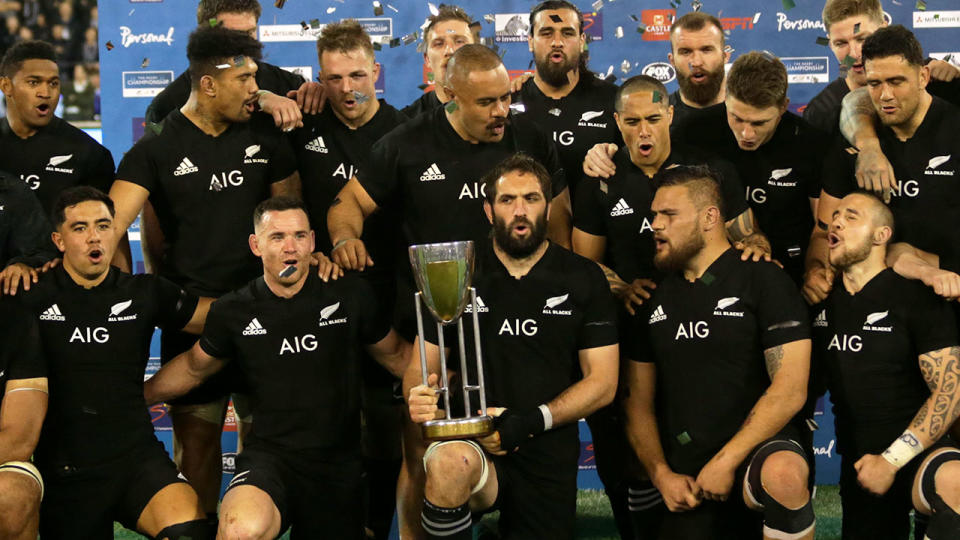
(316, 145)
(723, 304)
(621, 209)
(54, 164)
(481, 307)
(658, 315)
(254, 328)
(432, 173)
(52, 313)
(328, 312)
(872, 319)
(128, 37)
(934, 163)
(821, 320)
(777, 178)
(186, 167)
(553, 302)
(251, 151)
(585, 120)
(118, 308)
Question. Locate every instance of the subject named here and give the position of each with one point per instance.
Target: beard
(556, 74)
(520, 248)
(701, 93)
(676, 259)
(853, 254)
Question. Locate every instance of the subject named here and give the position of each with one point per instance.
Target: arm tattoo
(741, 226)
(941, 371)
(856, 109)
(773, 357)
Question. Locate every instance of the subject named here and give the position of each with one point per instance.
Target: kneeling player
(726, 353)
(546, 317)
(891, 413)
(296, 341)
(98, 454)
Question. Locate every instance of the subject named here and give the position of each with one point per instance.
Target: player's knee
(784, 476)
(243, 527)
(453, 463)
(19, 505)
(947, 482)
(189, 530)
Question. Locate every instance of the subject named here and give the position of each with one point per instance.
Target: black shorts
(83, 502)
(535, 504)
(318, 499)
(218, 386)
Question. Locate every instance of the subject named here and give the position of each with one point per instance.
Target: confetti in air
(625, 66)
(489, 18)
(450, 107)
(109, 45)
(331, 10)
(823, 41)
(279, 4)
(360, 97)
(789, 4)
(921, 5)
(619, 32)
(377, 9)
(145, 63)
(556, 18)
(597, 5)
(433, 9)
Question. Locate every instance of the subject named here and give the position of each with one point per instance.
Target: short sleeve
(374, 323)
(933, 323)
(28, 240)
(587, 207)
(283, 162)
(20, 326)
(635, 339)
(217, 339)
(838, 172)
(734, 196)
(599, 326)
(175, 306)
(378, 175)
(139, 167)
(101, 169)
(781, 314)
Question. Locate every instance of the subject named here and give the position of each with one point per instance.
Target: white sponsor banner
(288, 32)
(936, 19)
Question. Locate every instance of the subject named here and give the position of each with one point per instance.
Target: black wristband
(515, 427)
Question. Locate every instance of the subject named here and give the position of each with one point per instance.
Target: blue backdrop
(143, 42)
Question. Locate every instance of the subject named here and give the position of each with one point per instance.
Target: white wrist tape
(260, 94)
(902, 450)
(547, 417)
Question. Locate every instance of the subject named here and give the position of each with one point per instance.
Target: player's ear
(313, 241)
(254, 245)
(58, 241)
(6, 85)
(208, 85)
(376, 71)
(711, 218)
(489, 210)
(924, 76)
(882, 235)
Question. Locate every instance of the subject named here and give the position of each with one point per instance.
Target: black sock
(446, 523)
(646, 509)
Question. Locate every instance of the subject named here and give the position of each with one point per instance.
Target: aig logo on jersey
(117, 309)
(328, 312)
(585, 120)
(225, 180)
(934, 164)
(251, 151)
(869, 324)
(723, 304)
(554, 302)
(56, 161)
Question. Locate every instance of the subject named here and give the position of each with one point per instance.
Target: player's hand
(874, 171)
(755, 247)
(679, 491)
(310, 97)
(817, 283)
(943, 282)
(351, 255)
(943, 71)
(285, 112)
(14, 275)
(423, 399)
(517, 82)
(634, 294)
(716, 479)
(491, 442)
(326, 268)
(50, 265)
(598, 162)
(875, 474)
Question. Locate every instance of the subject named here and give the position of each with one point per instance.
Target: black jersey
(707, 339)
(95, 345)
(300, 359)
(24, 229)
(868, 345)
(927, 167)
(780, 178)
(435, 176)
(329, 153)
(578, 121)
(532, 330)
(21, 356)
(619, 208)
(269, 77)
(700, 127)
(425, 103)
(58, 156)
(204, 190)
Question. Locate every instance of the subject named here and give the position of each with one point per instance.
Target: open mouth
(698, 76)
(250, 106)
(557, 57)
(43, 109)
(659, 243)
(521, 228)
(95, 256)
(833, 240)
(645, 149)
(497, 127)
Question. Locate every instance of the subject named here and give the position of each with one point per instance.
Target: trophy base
(458, 428)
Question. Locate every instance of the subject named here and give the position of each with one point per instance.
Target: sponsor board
(785, 23)
(951, 57)
(807, 69)
(138, 84)
(378, 28)
(160, 417)
(740, 23)
(661, 71)
(229, 462)
(936, 19)
(288, 32)
(587, 459)
(593, 26)
(511, 27)
(657, 23)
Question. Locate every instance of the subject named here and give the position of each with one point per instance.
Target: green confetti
(657, 98)
(422, 86)
(641, 28)
(921, 5)
(684, 438)
(315, 23)
(213, 23)
(451, 106)
(856, 29)
(430, 76)
(238, 60)
(377, 46)
(849, 61)
(789, 4)
(155, 128)
(823, 41)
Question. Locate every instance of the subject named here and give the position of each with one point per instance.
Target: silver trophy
(443, 273)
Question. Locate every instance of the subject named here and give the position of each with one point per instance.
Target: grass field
(595, 522)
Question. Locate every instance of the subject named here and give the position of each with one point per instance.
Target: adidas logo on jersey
(317, 145)
(481, 307)
(554, 301)
(52, 166)
(821, 320)
(658, 315)
(186, 167)
(52, 313)
(874, 318)
(432, 173)
(254, 328)
(621, 209)
(936, 162)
